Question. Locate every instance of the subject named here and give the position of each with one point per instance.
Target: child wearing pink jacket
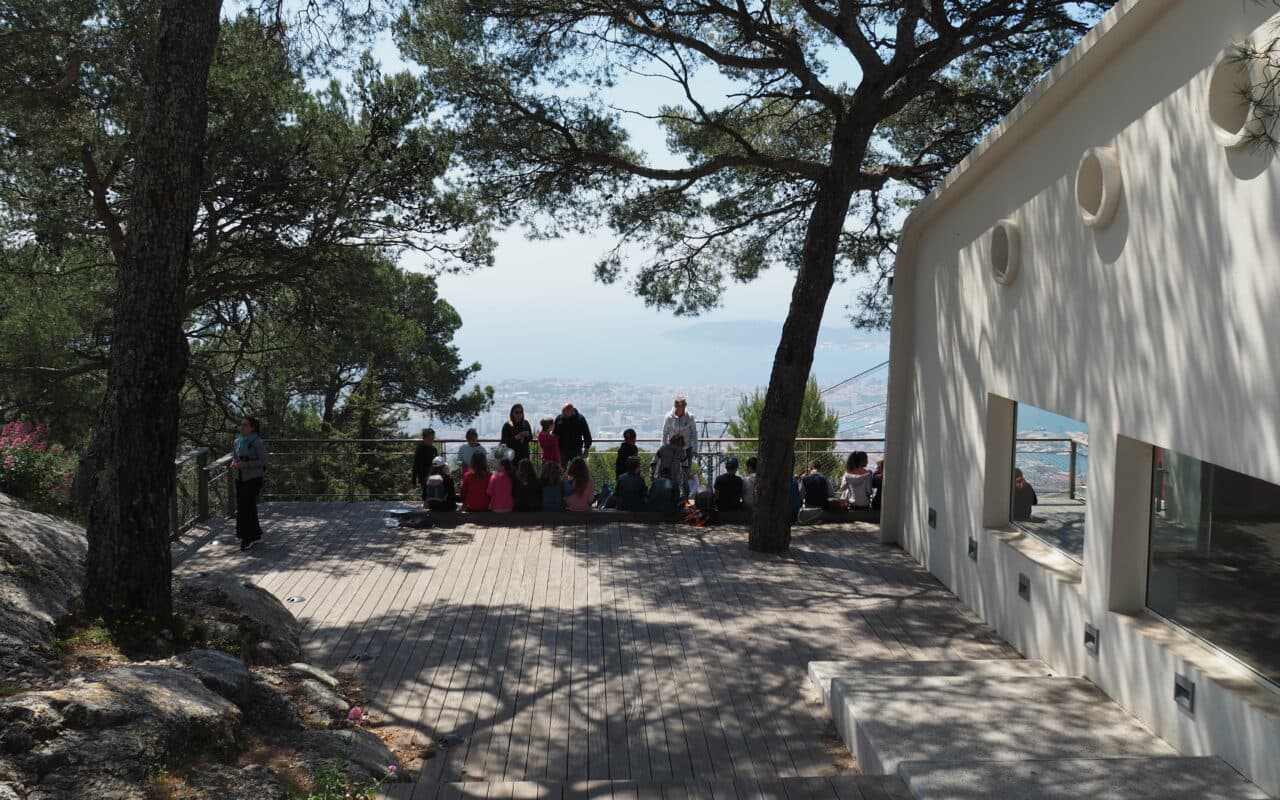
(501, 483)
(548, 444)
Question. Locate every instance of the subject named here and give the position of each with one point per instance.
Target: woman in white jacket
(855, 489)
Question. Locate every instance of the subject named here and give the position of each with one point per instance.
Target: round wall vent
(1098, 186)
(1232, 83)
(1005, 251)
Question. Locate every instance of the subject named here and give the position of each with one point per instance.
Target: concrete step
(1151, 778)
(844, 787)
(821, 673)
(886, 721)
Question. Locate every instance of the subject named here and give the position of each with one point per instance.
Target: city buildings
(1111, 252)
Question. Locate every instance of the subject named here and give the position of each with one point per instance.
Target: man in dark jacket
(572, 432)
(728, 488)
(422, 457)
(1024, 497)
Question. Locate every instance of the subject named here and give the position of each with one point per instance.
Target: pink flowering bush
(33, 469)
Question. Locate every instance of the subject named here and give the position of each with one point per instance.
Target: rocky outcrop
(240, 616)
(111, 730)
(109, 733)
(219, 671)
(254, 782)
(41, 575)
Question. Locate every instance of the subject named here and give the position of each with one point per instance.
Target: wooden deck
(605, 659)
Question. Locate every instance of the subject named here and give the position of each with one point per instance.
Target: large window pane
(1215, 557)
(1050, 460)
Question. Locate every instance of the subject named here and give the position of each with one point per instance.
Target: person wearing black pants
(249, 461)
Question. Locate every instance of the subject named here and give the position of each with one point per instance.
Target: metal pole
(173, 503)
(1071, 473)
(202, 484)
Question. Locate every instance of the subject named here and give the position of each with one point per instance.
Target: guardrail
(381, 469)
(1054, 465)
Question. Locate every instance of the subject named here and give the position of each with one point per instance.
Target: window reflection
(1050, 460)
(1215, 557)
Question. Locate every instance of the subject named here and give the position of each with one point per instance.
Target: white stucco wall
(1162, 329)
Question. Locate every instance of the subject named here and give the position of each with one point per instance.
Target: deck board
(601, 659)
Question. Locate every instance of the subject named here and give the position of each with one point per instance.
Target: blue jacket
(553, 496)
(662, 497)
(632, 493)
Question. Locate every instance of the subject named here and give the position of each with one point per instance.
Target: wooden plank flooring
(602, 660)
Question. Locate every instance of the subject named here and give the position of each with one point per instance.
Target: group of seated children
(509, 487)
(518, 486)
(732, 492)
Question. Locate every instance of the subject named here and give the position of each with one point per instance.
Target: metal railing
(381, 469)
(189, 503)
(1054, 465)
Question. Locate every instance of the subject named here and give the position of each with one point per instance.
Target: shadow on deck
(608, 649)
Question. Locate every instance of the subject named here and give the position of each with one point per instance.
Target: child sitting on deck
(662, 497)
(584, 491)
(438, 492)
(528, 491)
(632, 493)
(856, 487)
(554, 487)
(475, 484)
(501, 485)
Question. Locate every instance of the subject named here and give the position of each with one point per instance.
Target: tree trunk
(129, 565)
(780, 418)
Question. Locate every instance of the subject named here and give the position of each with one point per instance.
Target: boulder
(219, 671)
(41, 577)
(222, 782)
(319, 705)
(314, 672)
(270, 704)
(267, 630)
(367, 757)
(102, 735)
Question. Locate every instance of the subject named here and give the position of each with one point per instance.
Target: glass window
(1215, 557)
(1050, 462)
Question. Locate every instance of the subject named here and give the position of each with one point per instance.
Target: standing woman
(517, 434)
(249, 460)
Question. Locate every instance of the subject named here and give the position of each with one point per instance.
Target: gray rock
(7, 792)
(102, 735)
(218, 671)
(314, 672)
(367, 757)
(222, 782)
(320, 706)
(41, 572)
(80, 786)
(269, 704)
(269, 629)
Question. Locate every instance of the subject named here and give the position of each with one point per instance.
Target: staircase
(858, 787)
(987, 730)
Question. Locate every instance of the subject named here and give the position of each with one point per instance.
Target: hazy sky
(540, 312)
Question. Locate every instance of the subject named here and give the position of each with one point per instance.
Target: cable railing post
(1071, 472)
(202, 484)
(355, 470)
(173, 501)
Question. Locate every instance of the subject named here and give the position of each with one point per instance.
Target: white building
(1111, 253)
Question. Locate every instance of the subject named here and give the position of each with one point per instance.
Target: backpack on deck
(418, 520)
